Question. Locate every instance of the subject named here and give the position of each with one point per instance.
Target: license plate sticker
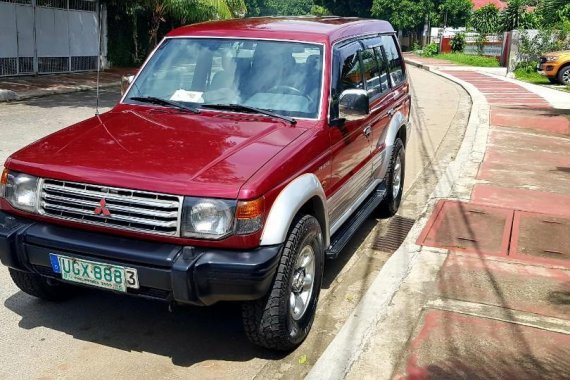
(92, 273)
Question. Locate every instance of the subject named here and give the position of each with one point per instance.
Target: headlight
(207, 218)
(552, 59)
(217, 218)
(21, 191)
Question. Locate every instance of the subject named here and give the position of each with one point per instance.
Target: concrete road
(101, 335)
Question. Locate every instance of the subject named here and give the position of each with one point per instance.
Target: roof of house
(309, 29)
(481, 3)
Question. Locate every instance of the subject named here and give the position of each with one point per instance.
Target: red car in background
(243, 154)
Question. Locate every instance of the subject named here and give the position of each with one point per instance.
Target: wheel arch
(304, 194)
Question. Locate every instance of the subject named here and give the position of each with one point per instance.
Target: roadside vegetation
(469, 59)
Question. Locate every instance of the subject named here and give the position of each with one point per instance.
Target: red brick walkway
(501, 309)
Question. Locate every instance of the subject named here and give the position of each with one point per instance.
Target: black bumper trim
(193, 275)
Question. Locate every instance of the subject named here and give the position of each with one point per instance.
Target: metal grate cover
(395, 234)
(111, 207)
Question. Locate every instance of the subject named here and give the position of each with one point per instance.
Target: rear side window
(394, 60)
(371, 72)
(351, 73)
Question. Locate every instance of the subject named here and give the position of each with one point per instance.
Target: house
(481, 3)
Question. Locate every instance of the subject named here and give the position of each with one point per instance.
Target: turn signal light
(249, 216)
(250, 209)
(3, 182)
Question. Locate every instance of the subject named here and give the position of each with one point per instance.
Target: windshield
(278, 76)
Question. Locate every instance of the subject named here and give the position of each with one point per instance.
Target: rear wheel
(282, 319)
(564, 75)
(40, 287)
(394, 181)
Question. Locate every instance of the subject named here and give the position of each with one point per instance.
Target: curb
(497, 71)
(65, 90)
(373, 311)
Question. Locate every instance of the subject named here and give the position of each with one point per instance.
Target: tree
(513, 16)
(404, 14)
(190, 11)
(554, 13)
(455, 13)
(357, 8)
(486, 19)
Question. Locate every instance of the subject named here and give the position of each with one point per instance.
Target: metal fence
(48, 36)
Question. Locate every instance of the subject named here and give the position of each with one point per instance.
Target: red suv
(243, 154)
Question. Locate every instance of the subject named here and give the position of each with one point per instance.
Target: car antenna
(98, 57)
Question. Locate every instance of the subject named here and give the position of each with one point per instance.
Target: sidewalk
(486, 288)
(25, 87)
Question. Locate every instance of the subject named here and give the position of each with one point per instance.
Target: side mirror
(353, 104)
(126, 81)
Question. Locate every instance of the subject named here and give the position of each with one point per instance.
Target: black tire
(391, 203)
(553, 80)
(564, 75)
(269, 322)
(38, 286)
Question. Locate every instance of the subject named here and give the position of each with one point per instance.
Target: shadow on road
(188, 335)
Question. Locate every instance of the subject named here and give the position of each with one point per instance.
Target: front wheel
(564, 76)
(394, 181)
(282, 319)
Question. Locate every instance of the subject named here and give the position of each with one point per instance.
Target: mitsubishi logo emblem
(102, 209)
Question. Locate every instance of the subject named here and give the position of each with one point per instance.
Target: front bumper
(183, 274)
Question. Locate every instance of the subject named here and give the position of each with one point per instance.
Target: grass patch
(530, 76)
(469, 60)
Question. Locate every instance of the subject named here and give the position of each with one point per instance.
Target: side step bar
(341, 238)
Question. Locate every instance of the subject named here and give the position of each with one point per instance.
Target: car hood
(557, 53)
(162, 150)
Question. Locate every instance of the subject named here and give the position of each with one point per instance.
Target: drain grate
(392, 237)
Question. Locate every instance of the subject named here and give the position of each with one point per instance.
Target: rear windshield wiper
(164, 102)
(242, 108)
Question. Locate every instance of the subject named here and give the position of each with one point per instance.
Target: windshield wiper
(242, 108)
(164, 102)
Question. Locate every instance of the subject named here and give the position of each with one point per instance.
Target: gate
(48, 36)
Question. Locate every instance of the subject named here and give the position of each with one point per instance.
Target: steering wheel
(288, 90)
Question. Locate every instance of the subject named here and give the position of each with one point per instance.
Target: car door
(381, 100)
(350, 145)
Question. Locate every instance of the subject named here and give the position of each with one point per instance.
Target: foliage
(531, 48)
(430, 50)
(358, 8)
(480, 43)
(319, 10)
(516, 16)
(455, 13)
(528, 73)
(553, 13)
(469, 59)
(486, 19)
(458, 43)
(403, 14)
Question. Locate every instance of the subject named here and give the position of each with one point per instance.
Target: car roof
(326, 29)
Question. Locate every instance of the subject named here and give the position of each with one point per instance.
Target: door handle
(367, 131)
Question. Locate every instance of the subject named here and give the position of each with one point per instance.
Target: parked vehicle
(556, 67)
(243, 154)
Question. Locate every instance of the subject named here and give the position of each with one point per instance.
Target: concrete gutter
(11, 96)
(410, 267)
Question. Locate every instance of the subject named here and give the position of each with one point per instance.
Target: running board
(341, 238)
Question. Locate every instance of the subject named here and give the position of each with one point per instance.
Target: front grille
(129, 209)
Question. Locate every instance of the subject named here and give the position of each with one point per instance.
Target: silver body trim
(286, 206)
